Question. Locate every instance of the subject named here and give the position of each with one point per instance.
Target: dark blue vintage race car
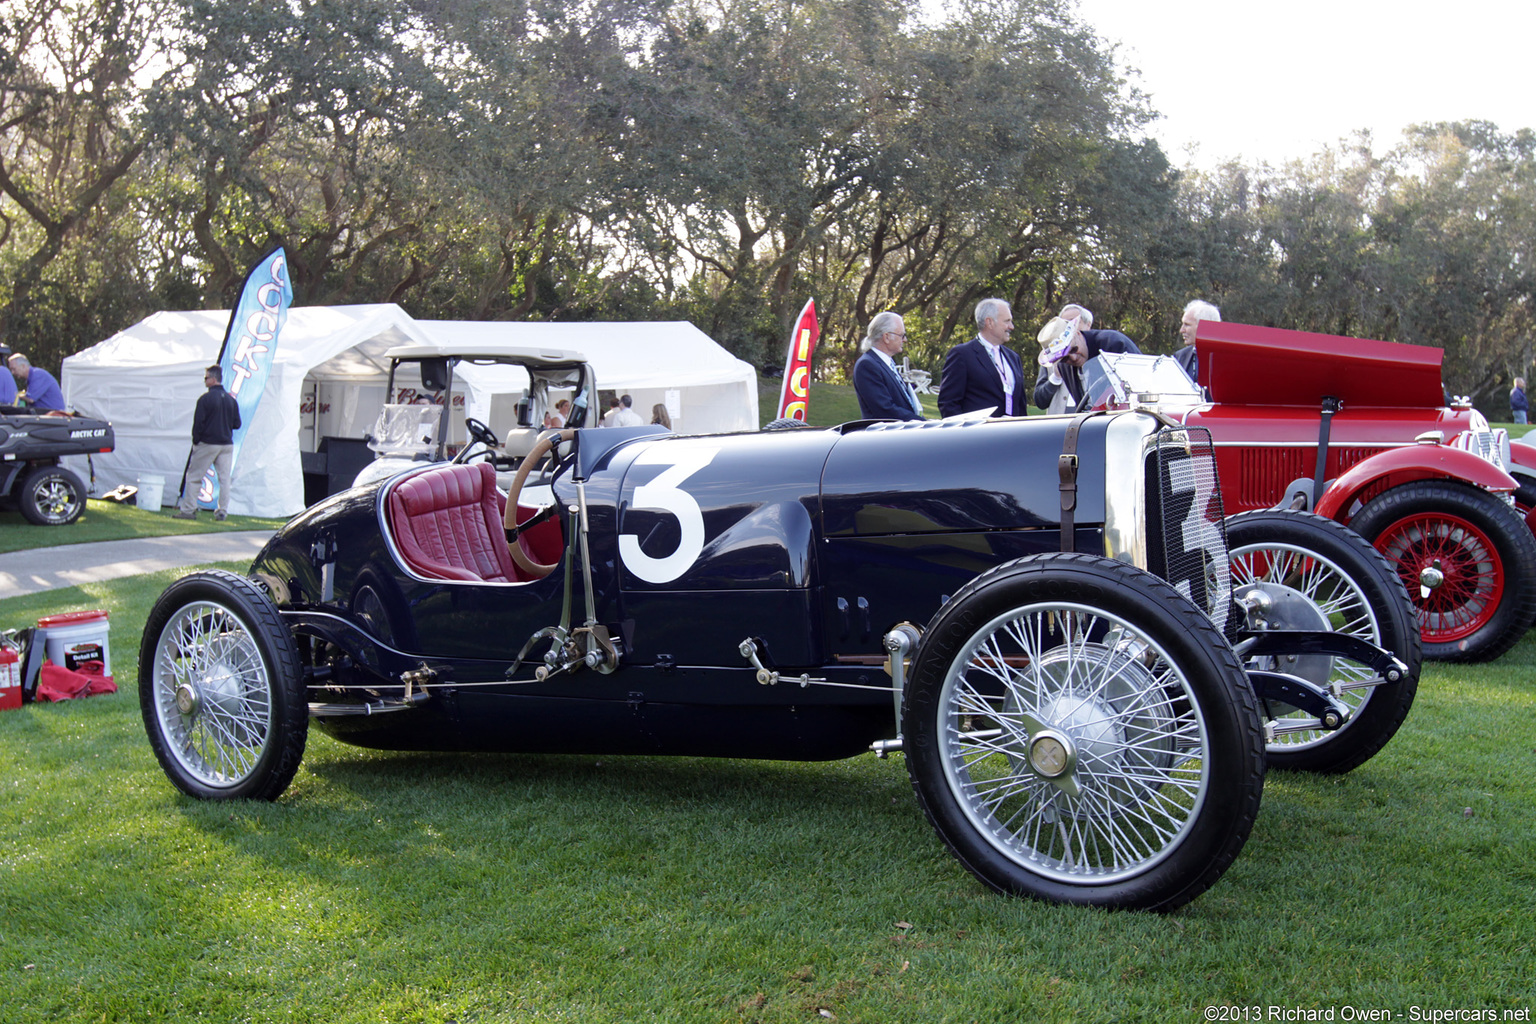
(1086, 668)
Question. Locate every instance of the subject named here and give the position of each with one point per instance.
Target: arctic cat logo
(87, 433)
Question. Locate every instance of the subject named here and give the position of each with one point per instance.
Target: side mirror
(435, 374)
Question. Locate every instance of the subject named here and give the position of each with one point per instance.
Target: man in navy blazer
(883, 394)
(984, 373)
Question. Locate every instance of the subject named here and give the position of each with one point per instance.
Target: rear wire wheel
(221, 689)
(1077, 731)
(1345, 586)
(1467, 560)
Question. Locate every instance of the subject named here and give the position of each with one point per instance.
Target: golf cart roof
(521, 355)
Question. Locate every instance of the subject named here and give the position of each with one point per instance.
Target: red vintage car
(1359, 431)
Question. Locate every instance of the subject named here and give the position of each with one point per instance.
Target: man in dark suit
(1196, 311)
(1061, 380)
(883, 394)
(984, 373)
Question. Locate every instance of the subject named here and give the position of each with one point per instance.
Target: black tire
(222, 690)
(1483, 548)
(51, 496)
(1145, 711)
(1322, 575)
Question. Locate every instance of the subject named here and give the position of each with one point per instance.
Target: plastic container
(151, 490)
(75, 637)
(10, 678)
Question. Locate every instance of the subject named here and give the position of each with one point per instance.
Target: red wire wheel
(1467, 560)
(1470, 568)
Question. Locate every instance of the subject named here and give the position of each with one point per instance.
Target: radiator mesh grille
(1187, 538)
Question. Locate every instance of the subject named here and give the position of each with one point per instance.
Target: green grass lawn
(106, 520)
(491, 888)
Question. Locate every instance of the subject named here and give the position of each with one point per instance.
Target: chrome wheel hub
(1287, 608)
(1430, 578)
(1051, 754)
(186, 699)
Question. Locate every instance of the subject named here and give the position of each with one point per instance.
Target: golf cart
(433, 389)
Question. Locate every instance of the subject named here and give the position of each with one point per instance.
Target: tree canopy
(712, 160)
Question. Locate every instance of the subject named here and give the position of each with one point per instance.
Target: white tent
(329, 380)
(673, 363)
(147, 378)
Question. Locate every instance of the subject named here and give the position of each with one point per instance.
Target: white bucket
(151, 490)
(74, 637)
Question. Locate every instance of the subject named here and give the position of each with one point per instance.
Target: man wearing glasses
(883, 393)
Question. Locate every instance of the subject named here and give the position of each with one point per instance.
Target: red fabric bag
(55, 682)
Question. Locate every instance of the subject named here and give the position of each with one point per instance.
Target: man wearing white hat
(1066, 343)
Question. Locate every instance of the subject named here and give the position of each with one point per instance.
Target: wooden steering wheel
(541, 448)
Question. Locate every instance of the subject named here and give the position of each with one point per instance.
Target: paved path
(30, 572)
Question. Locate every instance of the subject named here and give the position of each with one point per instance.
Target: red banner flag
(795, 398)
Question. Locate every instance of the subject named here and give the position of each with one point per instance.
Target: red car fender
(1414, 462)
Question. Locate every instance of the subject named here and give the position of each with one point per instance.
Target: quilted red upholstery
(447, 524)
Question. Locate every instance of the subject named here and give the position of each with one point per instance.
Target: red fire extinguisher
(10, 675)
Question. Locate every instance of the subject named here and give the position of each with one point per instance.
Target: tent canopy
(706, 389)
(147, 378)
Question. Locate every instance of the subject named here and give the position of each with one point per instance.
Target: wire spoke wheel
(1322, 576)
(221, 689)
(1472, 573)
(212, 694)
(1340, 606)
(1079, 732)
(1112, 774)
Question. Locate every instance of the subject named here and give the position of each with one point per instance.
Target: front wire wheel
(221, 689)
(1079, 732)
(1323, 576)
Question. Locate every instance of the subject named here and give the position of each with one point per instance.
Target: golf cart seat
(519, 442)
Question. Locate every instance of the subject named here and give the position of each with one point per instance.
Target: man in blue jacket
(984, 373)
(43, 394)
(214, 423)
(883, 394)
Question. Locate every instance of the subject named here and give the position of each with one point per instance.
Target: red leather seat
(447, 524)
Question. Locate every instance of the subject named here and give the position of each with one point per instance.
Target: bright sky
(1279, 81)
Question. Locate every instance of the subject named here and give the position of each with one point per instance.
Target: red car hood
(1243, 364)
